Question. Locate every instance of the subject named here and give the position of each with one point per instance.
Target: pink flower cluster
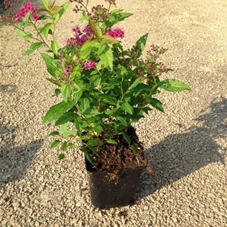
(68, 70)
(80, 37)
(115, 33)
(28, 7)
(89, 65)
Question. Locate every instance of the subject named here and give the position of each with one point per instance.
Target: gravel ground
(187, 144)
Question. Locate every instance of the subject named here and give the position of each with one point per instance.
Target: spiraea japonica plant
(104, 87)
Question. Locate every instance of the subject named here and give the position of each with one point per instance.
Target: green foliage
(54, 133)
(157, 104)
(46, 29)
(32, 48)
(24, 35)
(54, 47)
(56, 111)
(61, 156)
(104, 88)
(115, 17)
(50, 64)
(55, 143)
(105, 57)
(45, 4)
(173, 85)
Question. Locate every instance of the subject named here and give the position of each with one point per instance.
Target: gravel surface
(187, 144)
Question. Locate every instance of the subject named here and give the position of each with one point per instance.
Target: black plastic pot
(107, 193)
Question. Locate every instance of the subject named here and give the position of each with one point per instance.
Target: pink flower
(28, 7)
(115, 33)
(67, 71)
(89, 65)
(35, 17)
(80, 37)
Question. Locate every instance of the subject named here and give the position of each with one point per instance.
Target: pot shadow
(179, 155)
(14, 161)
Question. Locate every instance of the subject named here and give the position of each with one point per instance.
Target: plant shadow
(179, 155)
(10, 88)
(14, 161)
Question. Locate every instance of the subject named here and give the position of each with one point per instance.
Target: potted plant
(104, 89)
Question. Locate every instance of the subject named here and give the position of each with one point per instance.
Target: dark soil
(116, 158)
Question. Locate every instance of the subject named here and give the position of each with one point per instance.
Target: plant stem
(42, 39)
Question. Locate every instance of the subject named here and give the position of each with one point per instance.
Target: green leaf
(50, 64)
(88, 44)
(24, 35)
(116, 16)
(56, 9)
(126, 137)
(54, 133)
(173, 85)
(99, 31)
(108, 39)
(53, 81)
(61, 156)
(92, 112)
(57, 92)
(110, 111)
(66, 117)
(127, 108)
(54, 47)
(85, 17)
(65, 132)
(98, 128)
(157, 104)
(55, 144)
(111, 141)
(45, 4)
(64, 8)
(106, 58)
(56, 111)
(95, 28)
(140, 44)
(78, 124)
(86, 48)
(84, 105)
(88, 156)
(77, 95)
(138, 113)
(108, 99)
(66, 91)
(94, 142)
(25, 20)
(56, 18)
(32, 48)
(134, 149)
(146, 109)
(64, 146)
(44, 17)
(100, 11)
(122, 120)
(72, 145)
(140, 88)
(46, 29)
(133, 85)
